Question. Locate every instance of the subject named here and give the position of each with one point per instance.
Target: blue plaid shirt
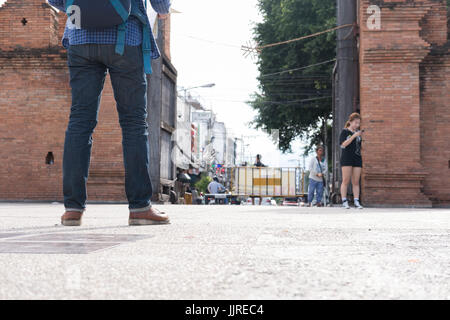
(133, 35)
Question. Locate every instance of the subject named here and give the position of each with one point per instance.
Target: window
(49, 159)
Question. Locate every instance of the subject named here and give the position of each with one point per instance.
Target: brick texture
(35, 103)
(404, 72)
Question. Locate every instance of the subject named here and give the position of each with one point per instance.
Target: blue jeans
(315, 186)
(88, 66)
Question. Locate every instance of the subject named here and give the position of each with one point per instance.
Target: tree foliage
(297, 102)
(202, 184)
(281, 102)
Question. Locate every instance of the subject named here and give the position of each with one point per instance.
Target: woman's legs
(311, 190)
(346, 176)
(356, 175)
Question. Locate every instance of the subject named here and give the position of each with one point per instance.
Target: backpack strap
(120, 43)
(117, 5)
(147, 49)
(146, 42)
(121, 28)
(68, 4)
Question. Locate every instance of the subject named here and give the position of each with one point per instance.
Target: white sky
(224, 26)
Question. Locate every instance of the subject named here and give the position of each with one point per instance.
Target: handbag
(321, 171)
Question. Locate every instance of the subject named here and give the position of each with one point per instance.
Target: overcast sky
(205, 47)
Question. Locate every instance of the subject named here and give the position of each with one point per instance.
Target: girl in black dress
(351, 160)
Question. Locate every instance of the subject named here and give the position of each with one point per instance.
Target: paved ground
(225, 252)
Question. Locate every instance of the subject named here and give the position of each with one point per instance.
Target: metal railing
(268, 181)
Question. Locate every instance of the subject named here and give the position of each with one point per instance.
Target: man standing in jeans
(91, 54)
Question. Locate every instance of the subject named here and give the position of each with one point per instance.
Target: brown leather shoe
(71, 218)
(151, 216)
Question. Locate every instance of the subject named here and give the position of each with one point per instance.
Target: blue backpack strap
(146, 40)
(121, 33)
(117, 5)
(147, 49)
(68, 4)
(121, 29)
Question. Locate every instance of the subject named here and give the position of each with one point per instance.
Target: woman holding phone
(351, 160)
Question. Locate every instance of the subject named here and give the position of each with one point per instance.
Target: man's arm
(57, 4)
(312, 166)
(161, 6)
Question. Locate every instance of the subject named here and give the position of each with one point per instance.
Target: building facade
(35, 100)
(405, 102)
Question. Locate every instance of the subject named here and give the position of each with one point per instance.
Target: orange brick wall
(41, 23)
(32, 123)
(35, 103)
(405, 104)
(435, 124)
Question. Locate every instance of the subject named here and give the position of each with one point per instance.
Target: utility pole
(345, 79)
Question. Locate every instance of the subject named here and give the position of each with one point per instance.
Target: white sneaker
(358, 205)
(345, 205)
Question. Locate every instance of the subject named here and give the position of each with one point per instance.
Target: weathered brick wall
(399, 79)
(435, 124)
(34, 108)
(21, 19)
(167, 27)
(35, 104)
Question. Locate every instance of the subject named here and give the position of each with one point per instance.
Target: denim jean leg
(86, 80)
(319, 192)
(130, 91)
(311, 190)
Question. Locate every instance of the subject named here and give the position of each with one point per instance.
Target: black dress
(351, 155)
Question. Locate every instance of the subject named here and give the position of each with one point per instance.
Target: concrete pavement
(225, 252)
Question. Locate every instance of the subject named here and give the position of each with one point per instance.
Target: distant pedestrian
(258, 162)
(215, 187)
(318, 169)
(351, 160)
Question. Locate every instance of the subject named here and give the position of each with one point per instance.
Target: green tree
(202, 184)
(298, 103)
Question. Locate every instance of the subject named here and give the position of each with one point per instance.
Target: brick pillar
(393, 172)
(435, 106)
(167, 24)
(27, 24)
(35, 100)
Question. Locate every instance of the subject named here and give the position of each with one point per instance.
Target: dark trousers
(88, 66)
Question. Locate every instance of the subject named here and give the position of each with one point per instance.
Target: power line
(259, 48)
(297, 69)
(276, 102)
(295, 101)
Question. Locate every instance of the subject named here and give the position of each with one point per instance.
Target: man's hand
(163, 16)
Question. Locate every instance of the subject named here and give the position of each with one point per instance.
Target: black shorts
(351, 162)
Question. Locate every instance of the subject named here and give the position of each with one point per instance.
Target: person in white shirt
(215, 187)
(318, 169)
